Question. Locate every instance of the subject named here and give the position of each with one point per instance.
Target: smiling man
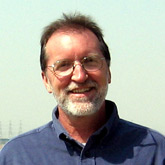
(85, 128)
(77, 73)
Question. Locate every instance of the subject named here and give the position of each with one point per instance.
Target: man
(86, 128)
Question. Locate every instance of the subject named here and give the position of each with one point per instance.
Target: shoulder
(35, 132)
(27, 139)
(149, 135)
(157, 137)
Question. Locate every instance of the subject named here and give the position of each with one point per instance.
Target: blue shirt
(117, 142)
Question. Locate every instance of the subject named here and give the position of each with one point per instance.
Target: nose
(79, 74)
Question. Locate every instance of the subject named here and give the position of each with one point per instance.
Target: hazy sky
(135, 33)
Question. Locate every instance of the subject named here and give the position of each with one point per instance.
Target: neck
(81, 128)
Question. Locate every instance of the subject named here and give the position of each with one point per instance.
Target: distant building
(7, 132)
(3, 142)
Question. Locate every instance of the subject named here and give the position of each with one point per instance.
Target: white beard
(81, 106)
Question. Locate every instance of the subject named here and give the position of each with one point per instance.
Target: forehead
(74, 42)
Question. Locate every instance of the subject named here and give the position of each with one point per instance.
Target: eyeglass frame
(74, 65)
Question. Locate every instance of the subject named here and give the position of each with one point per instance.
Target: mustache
(86, 84)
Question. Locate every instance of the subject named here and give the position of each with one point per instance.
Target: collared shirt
(117, 142)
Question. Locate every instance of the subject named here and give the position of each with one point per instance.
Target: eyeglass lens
(65, 67)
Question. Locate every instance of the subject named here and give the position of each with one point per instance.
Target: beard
(83, 106)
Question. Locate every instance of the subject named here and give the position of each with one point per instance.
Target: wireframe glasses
(66, 67)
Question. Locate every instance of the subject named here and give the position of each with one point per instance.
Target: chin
(80, 109)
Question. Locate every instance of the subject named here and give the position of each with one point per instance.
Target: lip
(82, 92)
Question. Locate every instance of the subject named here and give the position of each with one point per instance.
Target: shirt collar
(112, 115)
(112, 120)
(59, 129)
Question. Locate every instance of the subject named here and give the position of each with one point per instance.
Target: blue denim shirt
(117, 142)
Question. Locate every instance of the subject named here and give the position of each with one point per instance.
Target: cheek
(59, 84)
(100, 77)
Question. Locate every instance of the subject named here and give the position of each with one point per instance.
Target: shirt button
(67, 137)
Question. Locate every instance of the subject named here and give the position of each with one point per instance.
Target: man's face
(81, 93)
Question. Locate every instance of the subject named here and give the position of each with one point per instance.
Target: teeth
(80, 90)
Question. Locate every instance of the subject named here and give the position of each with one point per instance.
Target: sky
(134, 31)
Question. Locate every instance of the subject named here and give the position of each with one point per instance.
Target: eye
(92, 63)
(63, 65)
(92, 60)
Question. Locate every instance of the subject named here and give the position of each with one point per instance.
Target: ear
(46, 82)
(109, 76)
